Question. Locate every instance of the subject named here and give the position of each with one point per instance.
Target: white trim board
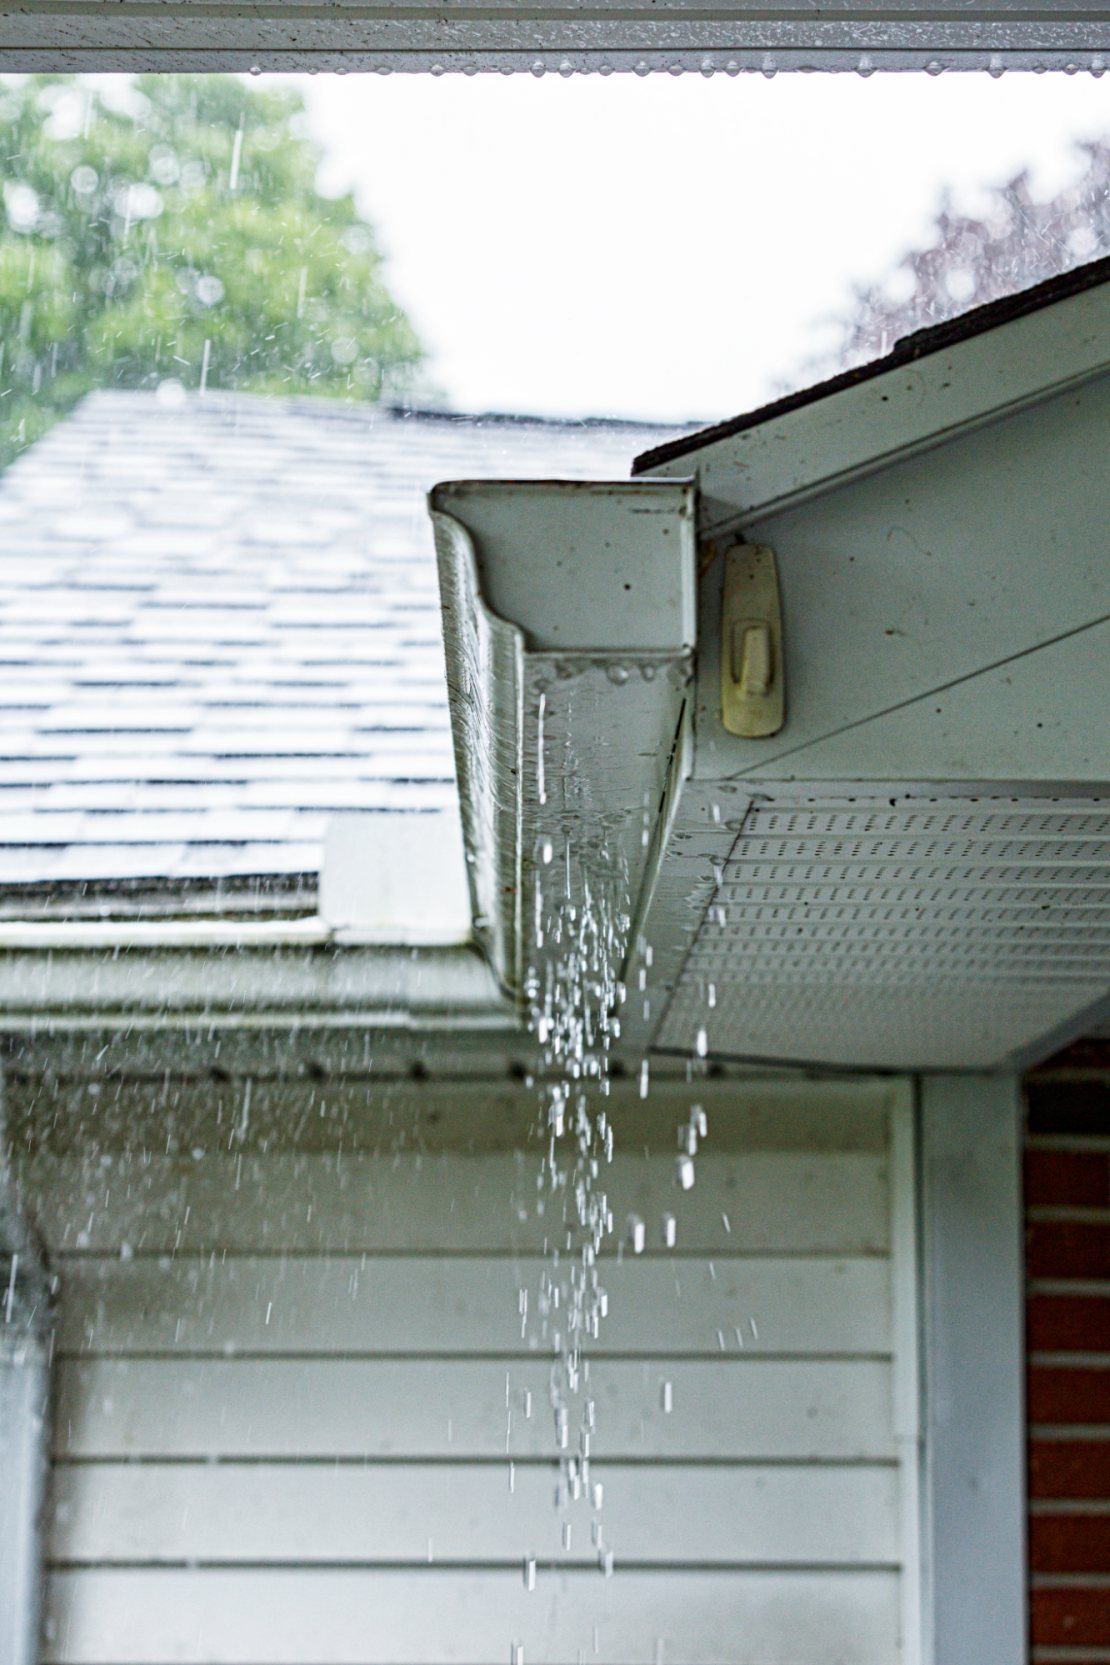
(973, 1470)
(608, 35)
(785, 460)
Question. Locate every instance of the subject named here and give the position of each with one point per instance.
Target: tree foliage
(170, 227)
(1017, 244)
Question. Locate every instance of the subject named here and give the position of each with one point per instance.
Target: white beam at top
(710, 36)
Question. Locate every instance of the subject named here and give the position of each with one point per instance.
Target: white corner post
(973, 1365)
(24, 1398)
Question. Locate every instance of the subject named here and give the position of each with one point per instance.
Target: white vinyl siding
(280, 1420)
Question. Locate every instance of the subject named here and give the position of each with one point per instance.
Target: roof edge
(920, 344)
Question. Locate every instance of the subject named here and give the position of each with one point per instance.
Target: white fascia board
(390, 988)
(745, 476)
(622, 35)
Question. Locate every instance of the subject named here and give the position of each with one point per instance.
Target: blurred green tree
(170, 227)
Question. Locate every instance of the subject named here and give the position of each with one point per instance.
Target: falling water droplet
(685, 1171)
(701, 1045)
(670, 1231)
(636, 1234)
(547, 852)
(644, 1079)
(529, 1573)
(666, 1398)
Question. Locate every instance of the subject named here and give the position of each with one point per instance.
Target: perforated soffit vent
(913, 933)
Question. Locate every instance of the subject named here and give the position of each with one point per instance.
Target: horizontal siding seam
(452, 1567)
(80, 1460)
(322, 1355)
(336, 1255)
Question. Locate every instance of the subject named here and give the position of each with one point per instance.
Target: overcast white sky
(664, 247)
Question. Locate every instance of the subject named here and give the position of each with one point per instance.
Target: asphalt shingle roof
(219, 625)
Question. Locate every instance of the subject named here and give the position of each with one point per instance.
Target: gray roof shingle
(219, 625)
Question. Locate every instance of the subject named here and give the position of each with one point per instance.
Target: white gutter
(569, 626)
(79, 935)
(312, 931)
(278, 984)
(392, 948)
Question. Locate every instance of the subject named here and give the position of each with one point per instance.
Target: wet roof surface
(219, 625)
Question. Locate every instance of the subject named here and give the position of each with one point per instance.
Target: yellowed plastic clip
(753, 693)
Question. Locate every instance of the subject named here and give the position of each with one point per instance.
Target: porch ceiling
(730, 36)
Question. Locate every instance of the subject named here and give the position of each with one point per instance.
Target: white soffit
(511, 35)
(914, 932)
(915, 871)
(945, 580)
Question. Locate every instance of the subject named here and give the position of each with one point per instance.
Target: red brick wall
(1067, 1266)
